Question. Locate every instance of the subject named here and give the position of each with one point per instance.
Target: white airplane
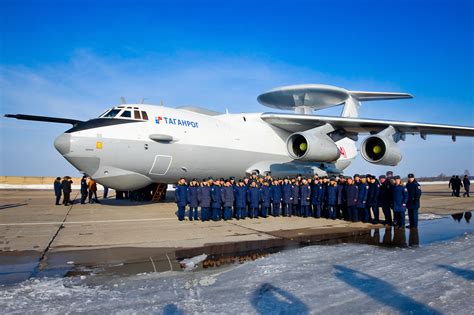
(133, 145)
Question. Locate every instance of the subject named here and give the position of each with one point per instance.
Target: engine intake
(310, 146)
(381, 150)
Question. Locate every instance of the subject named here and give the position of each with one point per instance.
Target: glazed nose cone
(63, 143)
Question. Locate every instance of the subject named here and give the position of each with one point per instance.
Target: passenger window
(112, 113)
(144, 115)
(126, 114)
(137, 114)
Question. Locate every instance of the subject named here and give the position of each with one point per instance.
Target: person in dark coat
(351, 194)
(253, 199)
(413, 203)
(240, 193)
(305, 198)
(295, 194)
(216, 200)
(386, 197)
(316, 197)
(287, 197)
(227, 196)
(181, 198)
(373, 199)
(276, 194)
(467, 185)
(84, 192)
(331, 198)
(192, 196)
(265, 198)
(400, 198)
(66, 187)
(324, 186)
(457, 184)
(57, 190)
(341, 202)
(451, 185)
(362, 199)
(204, 199)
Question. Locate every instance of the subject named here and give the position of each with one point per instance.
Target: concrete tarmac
(41, 236)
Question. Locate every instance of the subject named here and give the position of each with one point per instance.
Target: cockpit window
(112, 113)
(126, 114)
(137, 114)
(144, 115)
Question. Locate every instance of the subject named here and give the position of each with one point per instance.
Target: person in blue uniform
(305, 198)
(276, 195)
(341, 202)
(400, 198)
(58, 190)
(84, 192)
(331, 198)
(227, 196)
(324, 186)
(216, 200)
(287, 199)
(373, 199)
(362, 199)
(265, 198)
(240, 193)
(253, 199)
(181, 197)
(386, 197)
(413, 203)
(192, 195)
(351, 194)
(316, 197)
(204, 199)
(467, 185)
(295, 194)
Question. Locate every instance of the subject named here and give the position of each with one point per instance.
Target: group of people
(455, 183)
(356, 198)
(63, 188)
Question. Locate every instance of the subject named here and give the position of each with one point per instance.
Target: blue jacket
(305, 195)
(414, 194)
(181, 195)
(316, 194)
(253, 197)
(265, 196)
(295, 194)
(204, 196)
(276, 193)
(362, 196)
(323, 192)
(373, 195)
(57, 188)
(240, 194)
(331, 195)
(192, 195)
(386, 194)
(83, 186)
(216, 196)
(352, 191)
(286, 191)
(227, 196)
(400, 198)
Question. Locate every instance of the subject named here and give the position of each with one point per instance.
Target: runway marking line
(86, 222)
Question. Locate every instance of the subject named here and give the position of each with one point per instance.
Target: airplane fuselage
(128, 154)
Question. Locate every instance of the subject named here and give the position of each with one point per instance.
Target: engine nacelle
(381, 149)
(311, 146)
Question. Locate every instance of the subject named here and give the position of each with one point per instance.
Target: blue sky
(76, 58)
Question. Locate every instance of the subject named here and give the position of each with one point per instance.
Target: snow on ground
(341, 279)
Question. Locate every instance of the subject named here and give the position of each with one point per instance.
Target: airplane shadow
(464, 273)
(381, 291)
(268, 299)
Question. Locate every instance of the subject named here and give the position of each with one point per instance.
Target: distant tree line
(444, 177)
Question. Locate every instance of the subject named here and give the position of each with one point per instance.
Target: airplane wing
(298, 123)
(73, 122)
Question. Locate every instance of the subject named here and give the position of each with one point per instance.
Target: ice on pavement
(342, 279)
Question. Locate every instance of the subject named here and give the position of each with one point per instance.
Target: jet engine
(381, 149)
(313, 145)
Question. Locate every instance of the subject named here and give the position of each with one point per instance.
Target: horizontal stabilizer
(73, 122)
(378, 96)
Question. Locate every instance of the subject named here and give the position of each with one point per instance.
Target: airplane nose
(63, 143)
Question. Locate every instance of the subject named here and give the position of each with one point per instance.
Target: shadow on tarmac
(464, 273)
(268, 299)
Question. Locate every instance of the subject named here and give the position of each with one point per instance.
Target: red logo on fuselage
(342, 151)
